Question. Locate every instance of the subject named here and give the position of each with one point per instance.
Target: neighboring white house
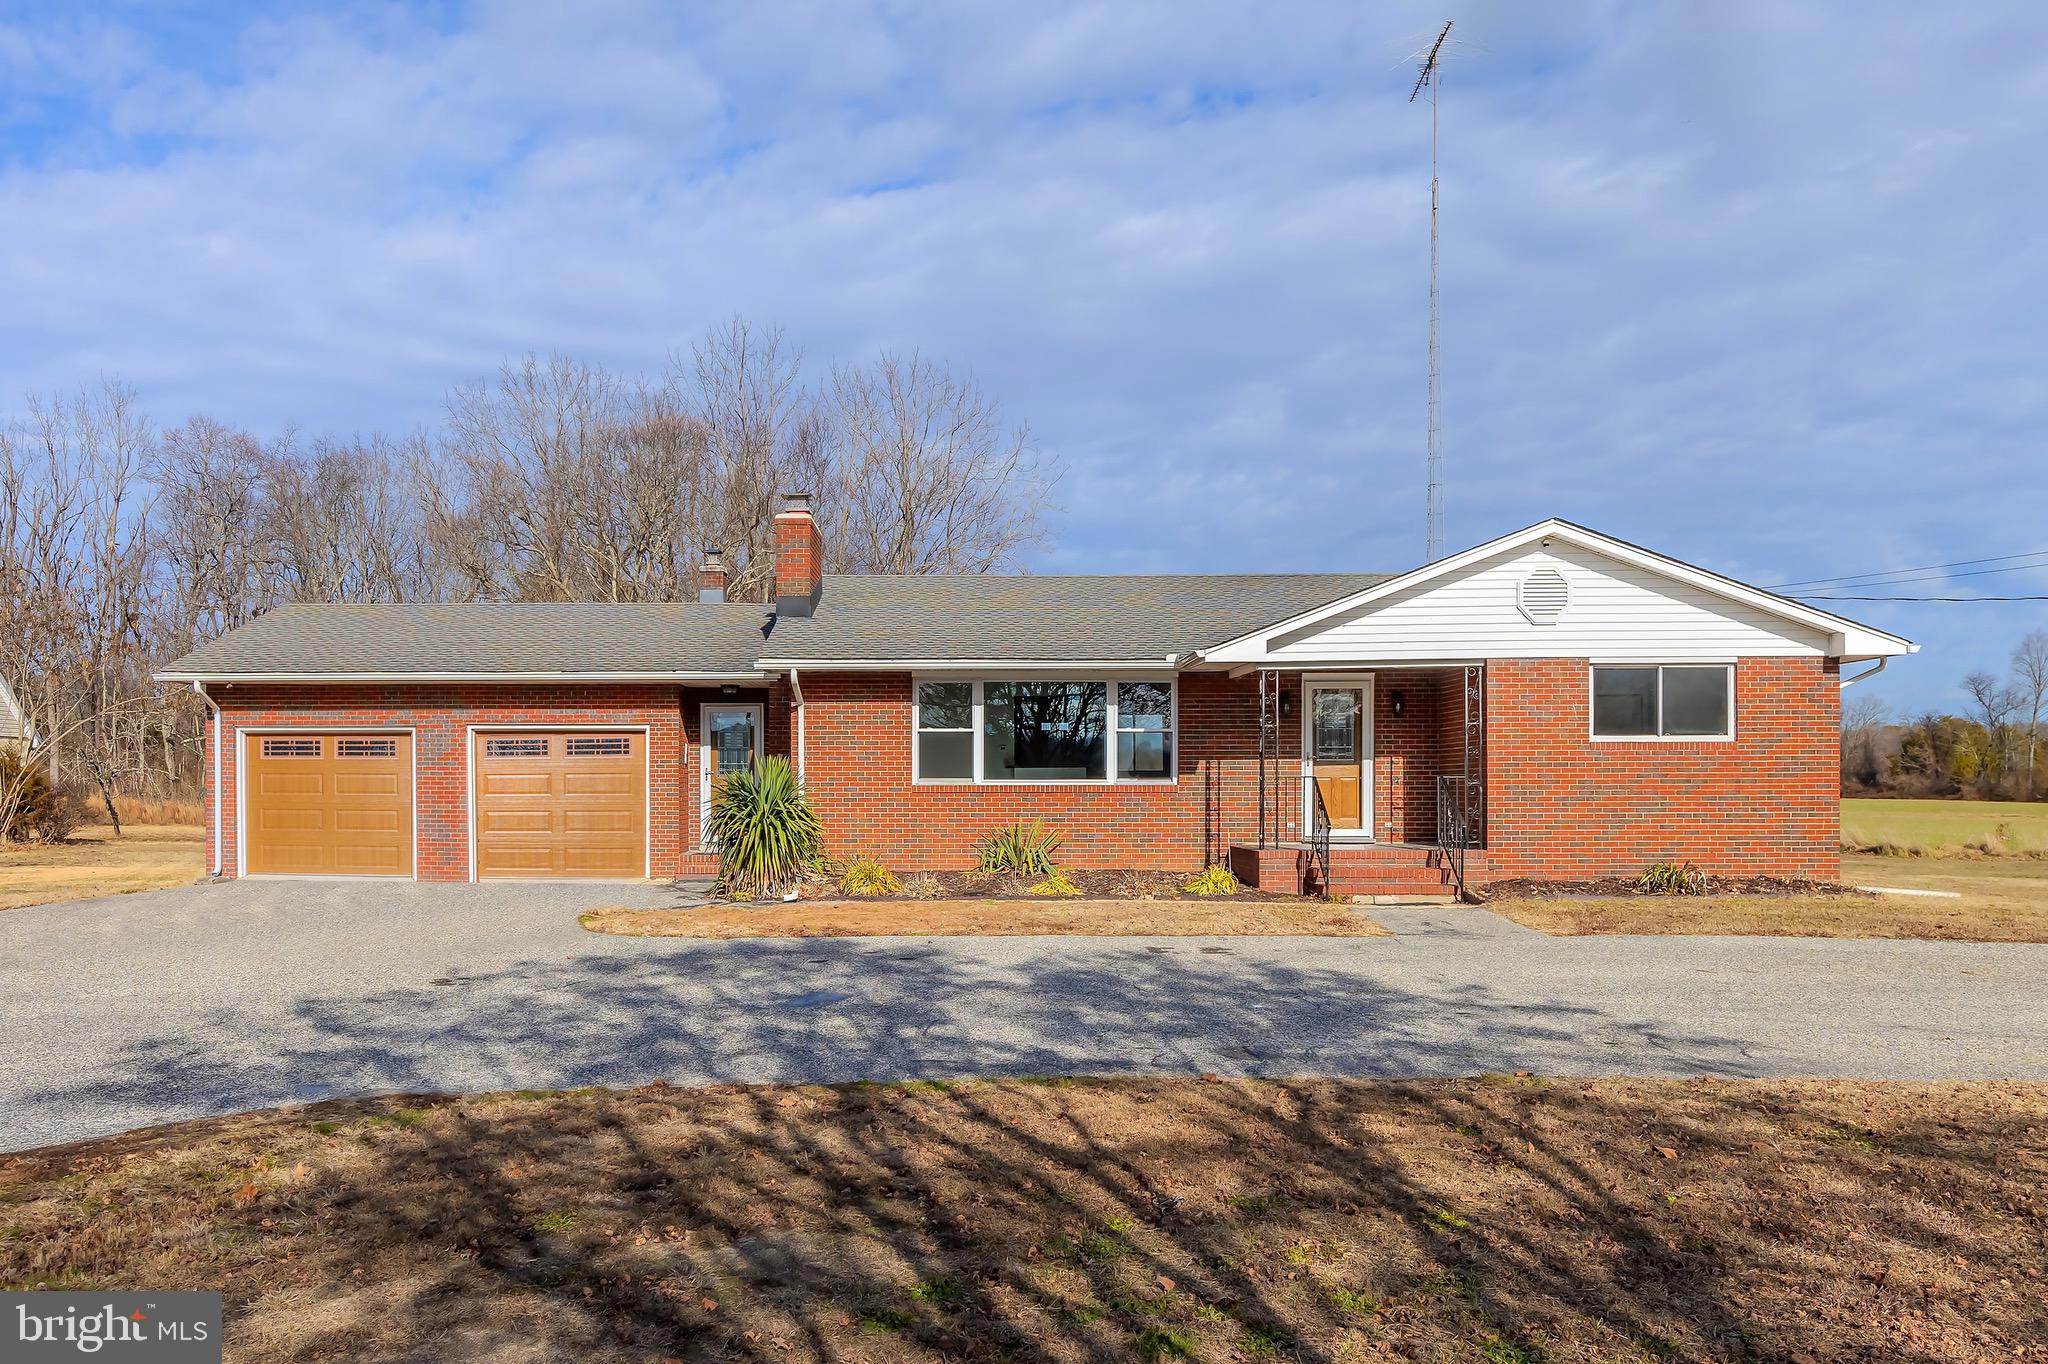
(15, 730)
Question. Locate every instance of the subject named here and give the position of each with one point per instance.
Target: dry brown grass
(94, 863)
(157, 811)
(1502, 1219)
(993, 918)
(2002, 901)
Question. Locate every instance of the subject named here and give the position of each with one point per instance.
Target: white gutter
(1852, 681)
(796, 691)
(214, 794)
(465, 677)
(1163, 663)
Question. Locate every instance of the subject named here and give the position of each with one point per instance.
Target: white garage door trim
(242, 796)
(646, 788)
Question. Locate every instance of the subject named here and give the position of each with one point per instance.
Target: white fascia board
(1163, 663)
(222, 678)
(1847, 638)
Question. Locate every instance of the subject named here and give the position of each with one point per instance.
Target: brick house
(1554, 703)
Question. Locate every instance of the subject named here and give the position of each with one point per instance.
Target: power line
(2030, 596)
(1940, 577)
(1918, 568)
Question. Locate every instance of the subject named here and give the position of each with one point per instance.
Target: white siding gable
(1615, 610)
(12, 725)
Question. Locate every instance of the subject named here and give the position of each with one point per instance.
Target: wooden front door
(565, 803)
(327, 804)
(1336, 734)
(731, 740)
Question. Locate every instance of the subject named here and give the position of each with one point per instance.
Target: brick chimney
(711, 576)
(799, 558)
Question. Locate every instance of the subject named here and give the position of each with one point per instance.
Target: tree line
(123, 543)
(1993, 750)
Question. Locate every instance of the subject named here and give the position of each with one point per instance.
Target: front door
(1339, 753)
(730, 742)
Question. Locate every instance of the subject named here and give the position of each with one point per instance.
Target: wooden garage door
(568, 803)
(328, 804)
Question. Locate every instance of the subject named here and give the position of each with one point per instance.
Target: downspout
(214, 795)
(796, 690)
(1852, 681)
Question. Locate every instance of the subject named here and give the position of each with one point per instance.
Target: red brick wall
(857, 744)
(440, 715)
(1561, 805)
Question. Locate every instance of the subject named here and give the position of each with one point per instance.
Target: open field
(94, 863)
(1508, 1220)
(2004, 900)
(1221, 917)
(1936, 826)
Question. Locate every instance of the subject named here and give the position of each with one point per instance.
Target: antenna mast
(1432, 77)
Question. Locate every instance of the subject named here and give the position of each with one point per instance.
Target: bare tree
(929, 477)
(2030, 666)
(1994, 704)
(1863, 720)
(761, 433)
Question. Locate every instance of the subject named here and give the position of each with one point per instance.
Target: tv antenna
(1431, 78)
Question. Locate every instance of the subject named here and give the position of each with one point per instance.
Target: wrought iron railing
(1460, 803)
(1319, 840)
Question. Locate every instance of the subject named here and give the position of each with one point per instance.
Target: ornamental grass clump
(1673, 878)
(1026, 847)
(1213, 881)
(864, 876)
(1055, 886)
(768, 837)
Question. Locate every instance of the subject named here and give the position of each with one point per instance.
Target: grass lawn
(2004, 900)
(1508, 1220)
(1223, 916)
(1937, 825)
(94, 863)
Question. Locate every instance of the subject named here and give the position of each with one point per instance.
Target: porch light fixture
(1397, 702)
(728, 689)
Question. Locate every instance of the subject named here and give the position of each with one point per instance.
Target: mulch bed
(1093, 884)
(1509, 1219)
(1614, 887)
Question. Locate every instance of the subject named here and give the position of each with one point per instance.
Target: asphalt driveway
(182, 1003)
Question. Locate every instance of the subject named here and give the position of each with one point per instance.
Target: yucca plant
(1214, 881)
(864, 876)
(1026, 846)
(1673, 878)
(768, 837)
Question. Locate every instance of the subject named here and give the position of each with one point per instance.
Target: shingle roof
(1054, 618)
(1064, 618)
(536, 637)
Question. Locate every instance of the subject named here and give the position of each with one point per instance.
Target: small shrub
(1026, 846)
(1213, 881)
(1055, 886)
(768, 837)
(865, 876)
(922, 885)
(1673, 878)
(32, 807)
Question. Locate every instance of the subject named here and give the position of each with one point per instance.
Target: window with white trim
(1663, 701)
(1043, 730)
(945, 731)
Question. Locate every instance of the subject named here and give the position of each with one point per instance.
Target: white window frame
(1109, 765)
(706, 757)
(1593, 667)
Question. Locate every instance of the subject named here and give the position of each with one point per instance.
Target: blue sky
(1760, 285)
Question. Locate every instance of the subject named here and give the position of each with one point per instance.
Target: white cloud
(1755, 283)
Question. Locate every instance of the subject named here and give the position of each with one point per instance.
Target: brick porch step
(1355, 868)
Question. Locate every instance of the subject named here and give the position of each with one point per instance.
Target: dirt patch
(1998, 901)
(1507, 1219)
(1223, 916)
(94, 862)
(1529, 888)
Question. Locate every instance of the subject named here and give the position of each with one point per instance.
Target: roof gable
(1482, 626)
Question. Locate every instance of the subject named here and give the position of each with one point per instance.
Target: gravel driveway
(180, 1003)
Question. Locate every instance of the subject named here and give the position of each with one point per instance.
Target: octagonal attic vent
(1543, 596)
